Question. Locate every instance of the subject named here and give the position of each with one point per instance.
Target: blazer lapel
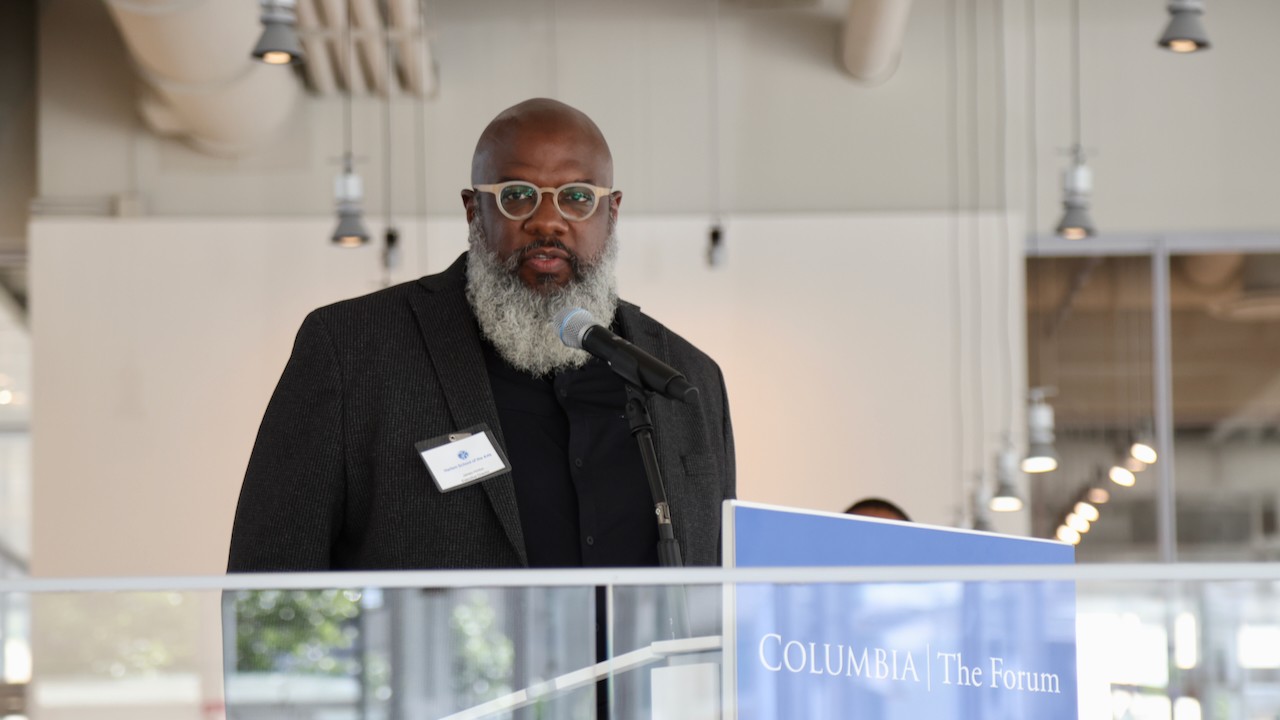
(671, 420)
(453, 343)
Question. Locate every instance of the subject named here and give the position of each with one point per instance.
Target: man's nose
(547, 220)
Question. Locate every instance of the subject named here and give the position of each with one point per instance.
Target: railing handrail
(1118, 573)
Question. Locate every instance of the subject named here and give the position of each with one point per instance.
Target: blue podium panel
(890, 651)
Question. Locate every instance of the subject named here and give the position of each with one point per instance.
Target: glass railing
(1142, 641)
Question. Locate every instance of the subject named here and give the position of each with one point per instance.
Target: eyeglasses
(519, 200)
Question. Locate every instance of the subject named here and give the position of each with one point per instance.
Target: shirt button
(577, 462)
(591, 540)
(564, 393)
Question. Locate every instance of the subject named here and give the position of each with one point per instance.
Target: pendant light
(1006, 497)
(348, 189)
(1041, 456)
(1185, 32)
(278, 44)
(1077, 180)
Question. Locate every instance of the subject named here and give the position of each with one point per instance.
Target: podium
(963, 650)
(882, 651)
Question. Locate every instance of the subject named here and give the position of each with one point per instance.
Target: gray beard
(517, 320)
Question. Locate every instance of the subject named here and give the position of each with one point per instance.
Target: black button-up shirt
(580, 485)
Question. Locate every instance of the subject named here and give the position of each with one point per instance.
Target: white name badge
(462, 458)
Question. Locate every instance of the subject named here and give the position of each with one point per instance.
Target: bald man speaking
(442, 423)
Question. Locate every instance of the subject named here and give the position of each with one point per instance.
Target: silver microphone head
(571, 324)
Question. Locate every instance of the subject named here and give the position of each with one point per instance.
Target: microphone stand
(642, 431)
(668, 546)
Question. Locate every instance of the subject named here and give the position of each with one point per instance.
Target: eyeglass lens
(576, 202)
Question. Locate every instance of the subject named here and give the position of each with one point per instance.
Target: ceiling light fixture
(348, 189)
(348, 192)
(1006, 497)
(278, 44)
(1125, 468)
(1141, 447)
(1098, 495)
(1185, 32)
(1077, 181)
(1122, 476)
(1041, 456)
(1077, 523)
(1134, 465)
(1067, 535)
(1087, 510)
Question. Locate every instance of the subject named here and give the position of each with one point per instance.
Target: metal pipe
(202, 83)
(871, 43)
(1162, 392)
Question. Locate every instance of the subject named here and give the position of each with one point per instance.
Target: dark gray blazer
(334, 481)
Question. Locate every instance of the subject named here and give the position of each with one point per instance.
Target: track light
(1077, 183)
(1067, 535)
(1098, 495)
(1185, 32)
(1133, 465)
(1140, 449)
(1005, 500)
(1077, 523)
(1086, 510)
(1041, 456)
(1122, 476)
(1124, 470)
(350, 231)
(278, 44)
(1006, 497)
(348, 191)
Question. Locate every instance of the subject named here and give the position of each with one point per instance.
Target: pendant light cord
(348, 50)
(389, 236)
(713, 114)
(1076, 114)
(959, 439)
(975, 242)
(420, 134)
(1033, 203)
(1006, 249)
(386, 130)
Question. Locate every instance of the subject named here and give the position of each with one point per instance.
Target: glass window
(1089, 330)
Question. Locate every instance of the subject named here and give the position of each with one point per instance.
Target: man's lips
(545, 259)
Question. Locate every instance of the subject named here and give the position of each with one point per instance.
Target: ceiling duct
(1211, 272)
(1259, 297)
(201, 83)
(872, 41)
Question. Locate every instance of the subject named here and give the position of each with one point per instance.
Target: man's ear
(469, 200)
(615, 200)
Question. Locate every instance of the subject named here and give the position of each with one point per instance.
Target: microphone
(579, 330)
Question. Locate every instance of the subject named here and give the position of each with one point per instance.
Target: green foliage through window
(309, 632)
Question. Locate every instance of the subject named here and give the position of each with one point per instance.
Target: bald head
(521, 129)
(548, 145)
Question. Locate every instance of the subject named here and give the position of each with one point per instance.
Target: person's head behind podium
(877, 508)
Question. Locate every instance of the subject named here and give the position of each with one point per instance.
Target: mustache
(542, 244)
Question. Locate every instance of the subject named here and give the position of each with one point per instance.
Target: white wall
(157, 344)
